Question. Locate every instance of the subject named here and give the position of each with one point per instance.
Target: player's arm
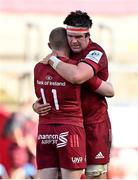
(101, 87)
(76, 74)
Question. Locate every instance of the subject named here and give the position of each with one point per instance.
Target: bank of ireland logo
(63, 139)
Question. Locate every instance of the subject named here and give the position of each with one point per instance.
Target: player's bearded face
(77, 41)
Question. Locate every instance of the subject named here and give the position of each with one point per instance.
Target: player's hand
(41, 109)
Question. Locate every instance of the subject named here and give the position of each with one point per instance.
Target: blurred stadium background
(24, 30)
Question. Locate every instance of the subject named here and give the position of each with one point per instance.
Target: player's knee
(96, 170)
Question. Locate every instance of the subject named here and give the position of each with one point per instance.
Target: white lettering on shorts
(60, 140)
(94, 56)
(48, 138)
(77, 160)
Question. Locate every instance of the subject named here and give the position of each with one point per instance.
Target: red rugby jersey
(61, 94)
(93, 104)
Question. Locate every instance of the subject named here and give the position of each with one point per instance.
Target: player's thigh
(72, 147)
(46, 154)
(48, 173)
(71, 174)
(98, 142)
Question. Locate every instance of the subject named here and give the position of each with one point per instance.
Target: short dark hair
(58, 38)
(78, 19)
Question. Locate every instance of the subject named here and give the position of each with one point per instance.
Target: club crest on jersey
(94, 56)
(48, 77)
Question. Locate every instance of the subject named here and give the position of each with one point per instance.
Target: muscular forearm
(76, 74)
(105, 89)
(69, 72)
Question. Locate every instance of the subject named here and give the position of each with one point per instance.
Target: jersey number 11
(54, 92)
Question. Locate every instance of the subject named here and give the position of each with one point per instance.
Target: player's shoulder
(39, 65)
(96, 46)
(95, 52)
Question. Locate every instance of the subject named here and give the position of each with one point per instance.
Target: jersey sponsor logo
(77, 160)
(94, 56)
(99, 156)
(63, 139)
(60, 140)
(48, 138)
(50, 83)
